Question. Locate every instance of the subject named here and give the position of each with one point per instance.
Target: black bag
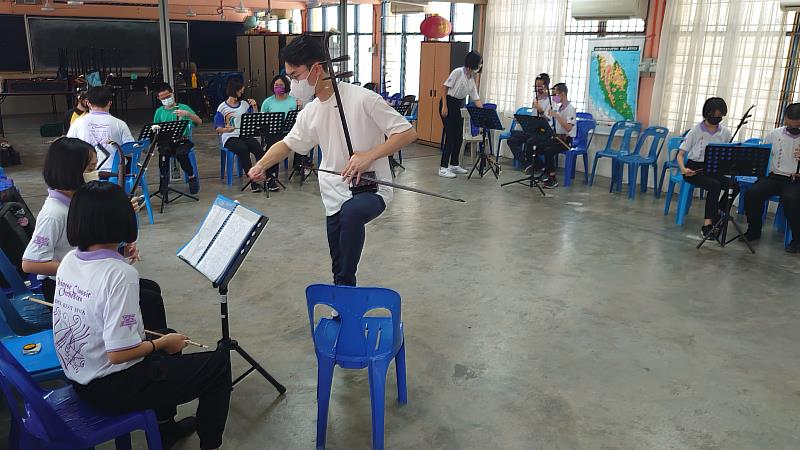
(9, 156)
(16, 228)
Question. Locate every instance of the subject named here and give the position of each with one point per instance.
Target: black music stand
(393, 163)
(540, 131)
(262, 125)
(170, 133)
(730, 161)
(299, 162)
(485, 119)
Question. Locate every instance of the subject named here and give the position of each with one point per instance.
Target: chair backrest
(628, 128)
(753, 141)
(37, 416)
(585, 133)
(395, 99)
(585, 115)
(524, 111)
(11, 276)
(468, 130)
(673, 146)
(352, 304)
(657, 136)
(409, 99)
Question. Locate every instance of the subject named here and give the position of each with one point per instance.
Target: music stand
(299, 162)
(485, 119)
(731, 161)
(541, 133)
(393, 163)
(262, 125)
(170, 133)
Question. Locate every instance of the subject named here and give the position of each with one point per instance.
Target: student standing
(459, 85)
(280, 102)
(693, 147)
(171, 111)
(227, 122)
(370, 120)
(783, 180)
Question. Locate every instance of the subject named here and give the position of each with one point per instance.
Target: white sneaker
(458, 170)
(445, 172)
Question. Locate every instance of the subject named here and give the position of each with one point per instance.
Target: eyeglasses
(296, 77)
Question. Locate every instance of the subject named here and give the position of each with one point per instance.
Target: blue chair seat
(42, 366)
(21, 315)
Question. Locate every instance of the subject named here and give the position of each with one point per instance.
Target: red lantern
(435, 27)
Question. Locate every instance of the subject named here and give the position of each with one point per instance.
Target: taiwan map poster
(614, 78)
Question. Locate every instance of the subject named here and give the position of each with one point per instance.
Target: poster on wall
(614, 78)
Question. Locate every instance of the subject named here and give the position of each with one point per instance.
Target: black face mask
(793, 131)
(714, 120)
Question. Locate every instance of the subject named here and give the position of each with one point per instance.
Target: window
(359, 39)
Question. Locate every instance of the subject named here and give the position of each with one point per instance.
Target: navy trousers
(346, 234)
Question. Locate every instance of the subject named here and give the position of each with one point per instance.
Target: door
(243, 57)
(426, 108)
(272, 61)
(440, 73)
(258, 69)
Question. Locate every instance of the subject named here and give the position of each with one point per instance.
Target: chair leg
(222, 162)
(377, 388)
(663, 176)
(123, 442)
(151, 432)
(400, 369)
(655, 181)
(569, 167)
(594, 170)
(229, 161)
(684, 202)
(585, 157)
(324, 380)
(146, 193)
(645, 177)
(633, 170)
(668, 198)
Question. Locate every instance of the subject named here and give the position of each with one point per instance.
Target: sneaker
(458, 170)
(794, 246)
(254, 187)
(194, 185)
(752, 235)
(272, 185)
(172, 432)
(544, 176)
(550, 183)
(446, 173)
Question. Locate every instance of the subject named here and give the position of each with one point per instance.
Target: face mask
(279, 90)
(793, 131)
(714, 120)
(556, 99)
(303, 89)
(168, 102)
(94, 175)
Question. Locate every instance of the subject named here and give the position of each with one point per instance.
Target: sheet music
(228, 243)
(194, 250)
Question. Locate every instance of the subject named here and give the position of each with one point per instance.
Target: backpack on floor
(16, 227)
(9, 156)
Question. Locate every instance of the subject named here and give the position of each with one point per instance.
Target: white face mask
(94, 175)
(169, 102)
(303, 90)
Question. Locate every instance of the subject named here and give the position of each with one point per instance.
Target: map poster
(614, 78)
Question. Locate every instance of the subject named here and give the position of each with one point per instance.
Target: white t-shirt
(99, 127)
(95, 310)
(568, 112)
(695, 142)
(460, 85)
(230, 115)
(369, 119)
(784, 146)
(49, 241)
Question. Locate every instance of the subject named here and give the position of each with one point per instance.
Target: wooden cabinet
(258, 58)
(437, 60)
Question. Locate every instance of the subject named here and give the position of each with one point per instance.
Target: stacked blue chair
(23, 316)
(505, 135)
(133, 150)
(628, 128)
(354, 341)
(59, 420)
(580, 147)
(636, 161)
(673, 146)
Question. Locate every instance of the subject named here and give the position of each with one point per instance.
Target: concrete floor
(582, 320)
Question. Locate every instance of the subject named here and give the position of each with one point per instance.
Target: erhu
(742, 122)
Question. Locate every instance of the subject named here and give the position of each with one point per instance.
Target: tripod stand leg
(742, 237)
(254, 365)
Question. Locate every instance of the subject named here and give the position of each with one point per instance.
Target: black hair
(304, 50)
(65, 163)
(561, 87)
(793, 111)
(100, 213)
(545, 78)
(164, 87)
(283, 78)
(99, 96)
(233, 87)
(473, 60)
(714, 104)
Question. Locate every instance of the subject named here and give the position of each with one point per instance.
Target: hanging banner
(613, 78)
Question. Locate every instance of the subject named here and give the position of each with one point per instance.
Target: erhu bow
(742, 122)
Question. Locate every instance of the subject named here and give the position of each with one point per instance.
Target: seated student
(227, 122)
(518, 138)
(564, 115)
(68, 165)
(99, 333)
(81, 108)
(170, 112)
(783, 179)
(280, 102)
(98, 127)
(709, 131)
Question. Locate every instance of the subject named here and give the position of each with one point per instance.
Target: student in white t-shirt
(783, 179)
(457, 86)
(228, 121)
(370, 119)
(98, 329)
(99, 126)
(693, 148)
(565, 117)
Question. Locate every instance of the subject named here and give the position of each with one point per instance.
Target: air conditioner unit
(409, 6)
(609, 9)
(790, 5)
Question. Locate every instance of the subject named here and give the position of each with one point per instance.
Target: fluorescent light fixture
(190, 13)
(241, 9)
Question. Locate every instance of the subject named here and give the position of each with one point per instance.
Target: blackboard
(138, 41)
(13, 44)
(213, 44)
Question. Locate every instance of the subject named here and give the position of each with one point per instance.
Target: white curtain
(523, 38)
(734, 49)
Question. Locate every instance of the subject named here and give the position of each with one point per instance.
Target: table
(69, 95)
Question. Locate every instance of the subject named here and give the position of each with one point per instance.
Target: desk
(69, 95)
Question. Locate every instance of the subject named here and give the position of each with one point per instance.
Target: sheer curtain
(734, 49)
(523, 39)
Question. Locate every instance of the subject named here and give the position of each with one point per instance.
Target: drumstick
(42, 302)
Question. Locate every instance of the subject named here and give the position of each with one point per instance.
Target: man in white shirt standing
(99, 126)
(783, 180)
(370, 119)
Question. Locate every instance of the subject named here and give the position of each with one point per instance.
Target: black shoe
(794, 246)
(194, 185)
(551, 182)
(752, 235)
(707, 231)
(254, 187)
(272, 185)
(172, 432)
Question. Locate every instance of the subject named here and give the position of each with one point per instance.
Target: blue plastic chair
(628, 128)
(395, 99)
(133, 150)
(354, 341)
(227, 159)
(23, 316)
(685, 194)
(781, 223)
(193, 162)
(636, 161)
(505, 135)
(585, 115)
(43, 366)
(59, 420)
(673, 146)
(580, 147)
